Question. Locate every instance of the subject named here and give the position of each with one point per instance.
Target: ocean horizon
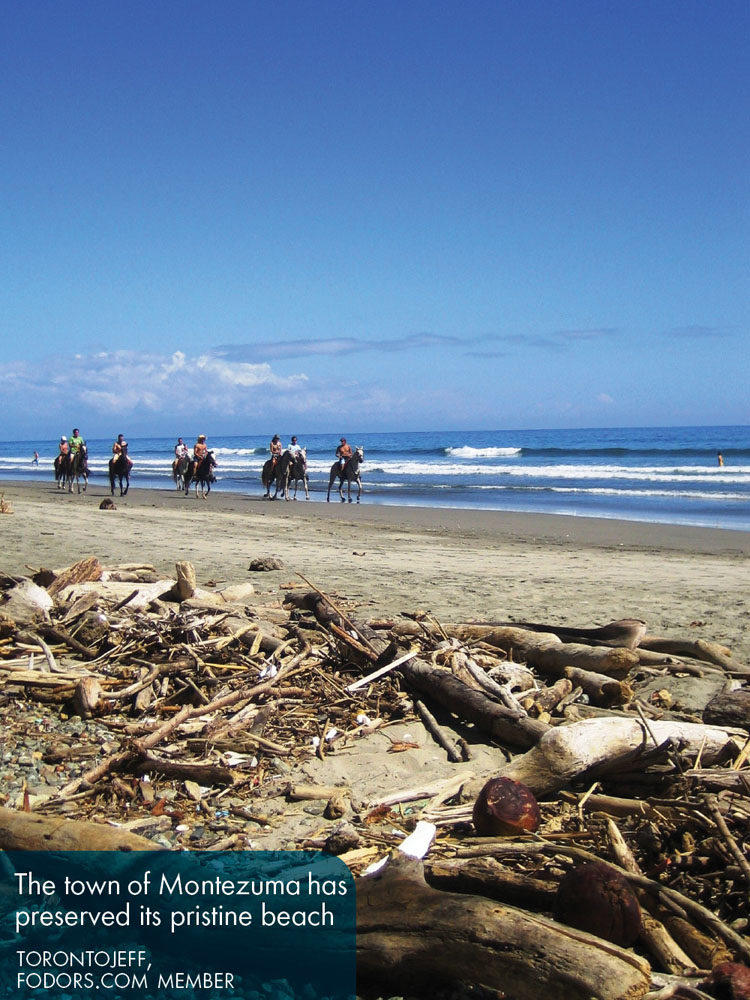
(666, 475)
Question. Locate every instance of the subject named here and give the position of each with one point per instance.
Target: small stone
(265, 564)
(336, 806)
(342, 838)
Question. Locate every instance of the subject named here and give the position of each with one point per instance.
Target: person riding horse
(344, 453)
(61, 461)
(276, 448)
(120, 447)
(76, 442)
(120, 465)
(200, 450)
(76, 466)
(181, 453)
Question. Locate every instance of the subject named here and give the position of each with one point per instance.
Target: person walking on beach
(35, 459)
(343, 452)
(720, 459)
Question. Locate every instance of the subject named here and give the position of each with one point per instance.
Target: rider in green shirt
(76, 441)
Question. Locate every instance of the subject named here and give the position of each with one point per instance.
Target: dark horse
(204, 475)
(119, 468)
(62, 465)
(296, 473)
(77, 468)
(276, 474)
(349, 474)
(180, 467)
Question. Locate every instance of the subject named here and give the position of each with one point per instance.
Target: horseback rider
(200, 450)
(180, 452)
(276, 448)
(64, 447)
(343, 453)
(293, 446)
(76, 442)
(120, 447)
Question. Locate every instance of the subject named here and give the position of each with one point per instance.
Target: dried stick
(433, 727)
(654, 934)
(713, 807)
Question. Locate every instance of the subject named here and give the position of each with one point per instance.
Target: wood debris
(180, 716)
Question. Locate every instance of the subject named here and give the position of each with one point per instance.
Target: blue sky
(386, 215)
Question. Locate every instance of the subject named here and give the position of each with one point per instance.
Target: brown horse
(276, 473)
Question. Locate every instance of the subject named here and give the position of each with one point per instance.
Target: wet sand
(459, 564)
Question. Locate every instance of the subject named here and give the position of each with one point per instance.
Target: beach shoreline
(457, 564)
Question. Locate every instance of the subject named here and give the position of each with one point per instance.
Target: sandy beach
(458, 564)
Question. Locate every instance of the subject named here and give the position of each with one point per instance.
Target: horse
(276, 473)
(78, 469)
(297, 472)
(180, 467)
(349, 473)
(203, 477)
(119, 468)
(62, 464)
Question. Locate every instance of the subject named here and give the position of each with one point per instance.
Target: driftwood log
(410, 936)
(567, 752)
(22, 831)
(544, 650)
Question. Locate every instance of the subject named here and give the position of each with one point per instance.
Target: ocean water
(666, 475)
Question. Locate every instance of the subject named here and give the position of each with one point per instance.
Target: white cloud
(122, 382)
(604, 397)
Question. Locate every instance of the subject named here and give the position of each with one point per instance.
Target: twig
(345, 618)
(713, 807)
(364, 681)
(433, 727)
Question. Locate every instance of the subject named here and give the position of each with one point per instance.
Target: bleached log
(602, 690)
(566, 752)
(545, 650)
(22, 831)
(186, 581)
(411, 937)
(25, 603)
(626, 632)
(699, 649)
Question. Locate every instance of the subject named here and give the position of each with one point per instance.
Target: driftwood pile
(157, 714)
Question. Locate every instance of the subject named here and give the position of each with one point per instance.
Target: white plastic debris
(363, 720)
(418, 843)
(331, 734)
(269, 671)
